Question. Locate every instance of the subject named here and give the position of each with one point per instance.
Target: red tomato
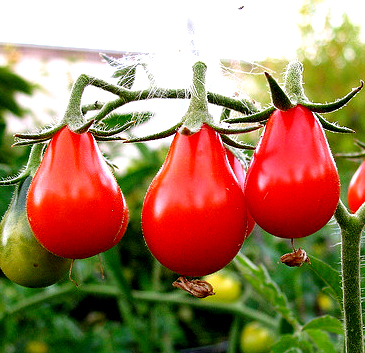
(356, 190)
(292, 186)
(193, 216)
(74, 205)
(240, 174)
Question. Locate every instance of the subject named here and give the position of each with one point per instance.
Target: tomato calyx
(196, 287)
(198, 114)
(296, 258)
(293, 95)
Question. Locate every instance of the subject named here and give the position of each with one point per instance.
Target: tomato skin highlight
(356, 190)
(292, 186)
(74, 205)
(193, 216)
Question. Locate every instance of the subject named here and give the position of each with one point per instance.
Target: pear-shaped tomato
(292, 186)
(75, 206)
(193, 216)
(22, 259)
(240, 173)
(356, 190)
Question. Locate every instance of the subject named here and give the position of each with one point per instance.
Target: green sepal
(333, 106)
(261, 116)
(156, 136)
(230, 142)
(40, 136)
(332, 126)
(279, 98)
(107, 133)
(229, 131)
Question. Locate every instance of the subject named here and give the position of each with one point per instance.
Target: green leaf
(325, 323)
(261, 281)
(291, 344)
(329, 275)
(322, 340)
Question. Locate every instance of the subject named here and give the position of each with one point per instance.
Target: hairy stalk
(351, 228)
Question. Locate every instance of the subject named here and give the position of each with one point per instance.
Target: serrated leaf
(325, 323)
(261, 281)
(322, 341)
(329, 275)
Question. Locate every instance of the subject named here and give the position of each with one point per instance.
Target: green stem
(73, 116)
(173, 298)
(197, 113)
(234, 335)
(294, 82)
(351, 227)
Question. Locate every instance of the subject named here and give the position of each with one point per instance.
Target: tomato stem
(197, 113)
(294, 82)
(351, 226)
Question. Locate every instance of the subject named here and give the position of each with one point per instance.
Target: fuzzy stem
(294, 82)
(197, 113)
(351, 228)
(73, 116)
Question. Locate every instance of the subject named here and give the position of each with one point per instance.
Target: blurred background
(44, 47)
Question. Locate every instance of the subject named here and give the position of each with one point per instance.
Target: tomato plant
(356, 190)
(75, 206)
(292, 185)
(193, 216)
(22, 259)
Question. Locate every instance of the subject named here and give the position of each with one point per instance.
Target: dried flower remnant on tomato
(295, 259)
(196, 287)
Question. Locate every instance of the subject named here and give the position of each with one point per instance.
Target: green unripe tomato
(22, 259)
(256, 338)
(226, 286)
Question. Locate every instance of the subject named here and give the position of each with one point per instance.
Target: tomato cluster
(199, 208)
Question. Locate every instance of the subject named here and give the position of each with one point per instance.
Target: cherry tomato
(75, 206)
(193, 216)
(292, 186)
(240, 174)
(256, 338)
(227, 287)
(22, 259)
(356, 190)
